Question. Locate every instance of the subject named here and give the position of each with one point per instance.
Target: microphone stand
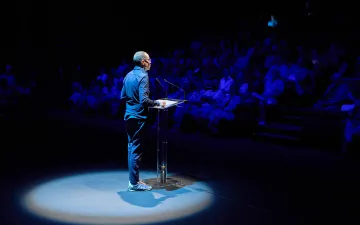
(176, 87)
(166, 95)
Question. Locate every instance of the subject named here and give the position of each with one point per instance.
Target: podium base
(170, 184)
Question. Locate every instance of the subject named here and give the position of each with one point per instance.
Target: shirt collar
(140, 68)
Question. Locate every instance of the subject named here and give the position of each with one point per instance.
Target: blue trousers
(135, 129)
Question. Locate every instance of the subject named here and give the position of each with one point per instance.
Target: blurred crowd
(13, 90)
(220, 75)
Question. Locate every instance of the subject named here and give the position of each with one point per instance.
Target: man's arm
(144, 93)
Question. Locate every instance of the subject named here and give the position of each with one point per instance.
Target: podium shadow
(150, 199)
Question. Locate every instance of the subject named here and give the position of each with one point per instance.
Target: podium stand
(162, 141)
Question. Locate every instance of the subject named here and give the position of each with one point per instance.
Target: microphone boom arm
(166, 95)
(176, 87)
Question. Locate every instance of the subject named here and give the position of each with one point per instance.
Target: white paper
(168, 103)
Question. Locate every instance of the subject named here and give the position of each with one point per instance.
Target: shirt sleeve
(144, 93)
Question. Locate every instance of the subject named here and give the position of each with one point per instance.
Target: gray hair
(138, 56)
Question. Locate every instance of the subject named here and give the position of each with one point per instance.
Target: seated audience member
(210, 72)
(300, 83)
(116, 87)
(230, 104)
(214, 99)
(273, 88)
(111, 99)
(95, 96)
(77, 98)
(201, 103)
(352, 126)
(336, 94)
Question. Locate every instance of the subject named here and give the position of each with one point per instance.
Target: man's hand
(161, 103)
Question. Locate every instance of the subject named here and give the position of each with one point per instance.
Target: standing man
(135, 92)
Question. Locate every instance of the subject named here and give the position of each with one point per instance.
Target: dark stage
(232, 181)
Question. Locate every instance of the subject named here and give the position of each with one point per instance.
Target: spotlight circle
(102, 198)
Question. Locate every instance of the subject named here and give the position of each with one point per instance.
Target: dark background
(41, 34)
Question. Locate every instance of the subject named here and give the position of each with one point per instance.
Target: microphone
(157, 79)
(176, 87)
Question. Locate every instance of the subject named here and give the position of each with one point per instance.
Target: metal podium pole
(162, 142)
(162, 181)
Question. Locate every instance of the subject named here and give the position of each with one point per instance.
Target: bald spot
(140, 55)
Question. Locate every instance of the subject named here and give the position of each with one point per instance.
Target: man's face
(146, 62)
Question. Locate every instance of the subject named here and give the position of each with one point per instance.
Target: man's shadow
(149, 199)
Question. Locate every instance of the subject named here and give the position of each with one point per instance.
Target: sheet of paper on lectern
(169, 103)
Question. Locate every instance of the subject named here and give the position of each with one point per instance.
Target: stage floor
(232, 180)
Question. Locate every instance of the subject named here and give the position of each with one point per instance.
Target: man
(274, 87)
(135, 92)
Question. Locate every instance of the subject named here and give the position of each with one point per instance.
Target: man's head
(142, 59)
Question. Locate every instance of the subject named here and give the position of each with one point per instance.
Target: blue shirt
(135, 92)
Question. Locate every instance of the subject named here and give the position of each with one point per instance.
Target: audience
(13, 91)
(221, 76)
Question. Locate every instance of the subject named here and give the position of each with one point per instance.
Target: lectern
(162, 140)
